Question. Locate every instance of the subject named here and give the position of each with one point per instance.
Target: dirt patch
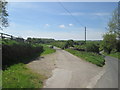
(43, 65)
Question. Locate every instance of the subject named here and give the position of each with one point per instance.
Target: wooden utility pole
(85, 35)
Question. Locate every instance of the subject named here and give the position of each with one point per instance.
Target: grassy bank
(88, 56)
(18, 76)
(116, 55)
(47, 50)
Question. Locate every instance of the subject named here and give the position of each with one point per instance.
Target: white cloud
(70, 24)
(71, 33)
(47, 25)
(100, 14)
(61, 26)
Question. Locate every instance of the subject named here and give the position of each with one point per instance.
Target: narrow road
(72, 72)
(110, 77)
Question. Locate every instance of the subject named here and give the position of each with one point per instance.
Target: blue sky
(50, 20)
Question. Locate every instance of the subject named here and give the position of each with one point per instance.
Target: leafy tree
(112, 37)
(114, 23)
(3, 14)
(109, 42)
(118, 45)
(70, 43)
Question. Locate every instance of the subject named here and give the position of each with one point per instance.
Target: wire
(70, 13)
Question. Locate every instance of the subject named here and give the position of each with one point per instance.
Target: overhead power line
(70, 13)
(73, 17)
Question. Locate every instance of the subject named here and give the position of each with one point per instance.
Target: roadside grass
(115, 54)
(47, 50)
(88, 56)
(19, 76)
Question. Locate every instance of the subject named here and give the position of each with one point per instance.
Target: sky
(51, 20)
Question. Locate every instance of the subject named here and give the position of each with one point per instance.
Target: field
(88, 56)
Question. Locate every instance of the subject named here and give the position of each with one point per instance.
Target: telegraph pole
(85, 35)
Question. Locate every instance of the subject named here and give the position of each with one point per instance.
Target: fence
(7, 36)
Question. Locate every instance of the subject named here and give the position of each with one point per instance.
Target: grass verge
(116, 55)
(88, 56)
(18, 76)
(47, 50)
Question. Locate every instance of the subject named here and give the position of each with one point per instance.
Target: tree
(113, 28)
(109, 42)
(114, 23)
(3, 14)
(69, 43)
(118, 45)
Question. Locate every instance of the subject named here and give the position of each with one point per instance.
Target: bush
(63, 44)
(19, 52)
(91, 47)
(79, 47)
(109, 42)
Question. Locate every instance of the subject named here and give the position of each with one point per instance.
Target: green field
(88, 56)
(47, 50)
(18, 76)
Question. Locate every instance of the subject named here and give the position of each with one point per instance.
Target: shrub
(91, 47)
(63, 44)
(19, 52)
(79, 47)
(109, 42)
